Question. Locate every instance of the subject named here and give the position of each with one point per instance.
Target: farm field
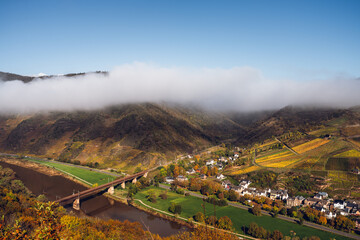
(281, 163)
(274, 156)
(267, 144)
(349, 154)
(310, 145)
(88, 175)
(191, 205)
(342, 164)
(323, 131)
(307, 163)
(244, 170)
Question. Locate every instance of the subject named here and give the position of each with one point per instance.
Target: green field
(342, 164)
(88, 175)
(191, 205)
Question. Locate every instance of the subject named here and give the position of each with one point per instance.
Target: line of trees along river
(98, 206)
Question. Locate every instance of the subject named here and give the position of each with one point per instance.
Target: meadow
(82, 173)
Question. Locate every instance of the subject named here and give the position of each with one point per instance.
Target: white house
(245, 183)
(191, 171)
(330, 215)
(169, 179)
(220, 177)
(339, 204)
(181, 178)
(321, 195)
(211, 162)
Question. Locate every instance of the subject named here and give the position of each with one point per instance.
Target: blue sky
(300, 40)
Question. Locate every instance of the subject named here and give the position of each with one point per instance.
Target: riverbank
(44, 169)
(98, 206)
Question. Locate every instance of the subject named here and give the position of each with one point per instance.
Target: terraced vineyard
(274, 156)
(310, 145)
(244, 170)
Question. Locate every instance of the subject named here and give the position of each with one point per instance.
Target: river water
(54, 187)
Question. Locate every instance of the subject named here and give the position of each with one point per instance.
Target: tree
(253, 229)
(175, 208)
(344, 223)
(266, 207)
(225, 223)
(195, 184)
(163, 172)
(256, 210)
(176, 171)
(199, 217)
(322, 220)
(132, 191)
(277, 235)
(151, 197)
(211, 220)
(137, 170)
(204, 170)
(163, 196)
(233, 196)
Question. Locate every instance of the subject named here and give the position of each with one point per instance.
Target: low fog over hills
(235, 89)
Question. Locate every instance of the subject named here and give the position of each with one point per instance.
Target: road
(289, 219)
(290, 149)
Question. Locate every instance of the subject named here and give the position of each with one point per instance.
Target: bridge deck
(91, 191)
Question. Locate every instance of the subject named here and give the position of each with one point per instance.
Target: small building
(321, 195)
(220, 177)
(237, 189)
(294, 202)
(226, 184)
(344, 212)
(339, 204)
(329, 214)
(210, 163)
(203, 176)
(190, 171)
(261, 193)
(181, 178)
(245, 183)
(169, 179)
(310, 201)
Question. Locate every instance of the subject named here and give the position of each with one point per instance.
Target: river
(54, 187)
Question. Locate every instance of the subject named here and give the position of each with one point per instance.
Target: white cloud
(238, 88)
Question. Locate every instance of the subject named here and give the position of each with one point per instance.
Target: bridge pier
(134, 181)
(111, 190)
(123, 185)
(76, 204)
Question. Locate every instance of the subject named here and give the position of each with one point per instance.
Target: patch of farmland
(245, 170)
(274, 156)
(355, 141)
(267, 144)
(282, 163)
(310, 145)
(342, 164)
(307, 163)
(349, 154)
(324, 131)
(351, 130)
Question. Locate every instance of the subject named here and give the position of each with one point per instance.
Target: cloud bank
(238, 88)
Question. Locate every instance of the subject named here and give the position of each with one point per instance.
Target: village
(319, 208)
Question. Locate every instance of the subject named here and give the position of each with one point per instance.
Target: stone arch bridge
(110, 186)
